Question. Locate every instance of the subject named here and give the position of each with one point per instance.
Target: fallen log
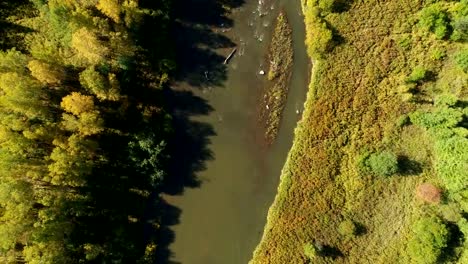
(230, 56)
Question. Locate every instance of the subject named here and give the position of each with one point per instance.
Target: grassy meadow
(378, 168)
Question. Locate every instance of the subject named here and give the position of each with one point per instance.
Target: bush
(460, 29)
(327, 5)
(460, 21)
(347, 228)
(446, 100)
(429, 237)
(461, 59)
(403, 121)
(418, 74)
(383, 163)
(438, 54)
(450, 164)
(310, 251)
(441, 118)
(319, 37)
(436, 20)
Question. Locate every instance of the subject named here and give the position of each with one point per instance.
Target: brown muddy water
(223, 210)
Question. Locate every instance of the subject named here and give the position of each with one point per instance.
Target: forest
(83, 129)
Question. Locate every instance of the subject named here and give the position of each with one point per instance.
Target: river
(223, 213)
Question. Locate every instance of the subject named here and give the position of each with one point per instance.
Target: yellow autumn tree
(85, 119)
(110, 8)
(45, 72)
(77, 103)
(103, 88)
(88, 46)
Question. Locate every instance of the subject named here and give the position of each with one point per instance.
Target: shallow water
(222, 220)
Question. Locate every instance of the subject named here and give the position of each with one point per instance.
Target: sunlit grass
(357, 102)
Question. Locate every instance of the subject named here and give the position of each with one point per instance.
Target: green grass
(279, 73)
(358, 103)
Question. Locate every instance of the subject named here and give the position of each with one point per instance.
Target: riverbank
(220, 219)
(327, 208)
(280, 60)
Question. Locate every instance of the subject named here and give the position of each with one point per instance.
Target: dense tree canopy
(82, 129)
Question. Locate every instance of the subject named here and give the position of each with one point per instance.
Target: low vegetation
(280, 60)
(388, 97)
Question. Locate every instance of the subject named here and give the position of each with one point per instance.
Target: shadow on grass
(360, 229)
(331, 252)
(341, 6)
(409, 167)
(455, 241)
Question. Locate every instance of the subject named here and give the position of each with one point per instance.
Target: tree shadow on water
(169, 216)
(197, 32)
(189, 150)
(200, 49)
(189, 145)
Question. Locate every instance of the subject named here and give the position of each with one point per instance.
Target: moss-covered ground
(376, 63)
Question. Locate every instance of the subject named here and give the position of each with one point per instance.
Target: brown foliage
(428, 193)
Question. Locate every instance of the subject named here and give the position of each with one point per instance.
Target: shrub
(450, 163)
(436, 20)
(460, 29)
(441, 118)
(460, 21)
(438, 54)
(347, 228)
(418, 74)
(319, 37)
(461, 59)
(383, 163)
(403, 121)
(310, 251)
(327, 5)
(446, 100)
(429, 237)
(405, 42)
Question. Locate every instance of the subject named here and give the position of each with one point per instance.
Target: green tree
(24, 95)
(428, 239)
(435, 19)
(383, 163)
